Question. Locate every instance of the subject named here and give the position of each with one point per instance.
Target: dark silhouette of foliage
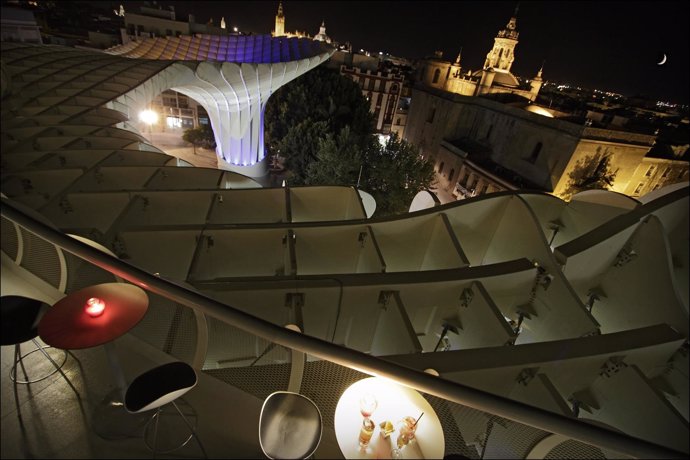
(590, 173)
(200, 137)
(321, 124)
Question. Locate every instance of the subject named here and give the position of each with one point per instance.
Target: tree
(300, 147)
(201, 136)
(338, 161)
(590, 173)
(321, 124)
(394, 173)
(320, 96)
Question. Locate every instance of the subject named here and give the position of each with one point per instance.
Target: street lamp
(150, 118)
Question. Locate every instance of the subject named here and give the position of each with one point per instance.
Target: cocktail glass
(406, 432)
(365, 432)
(367, 404)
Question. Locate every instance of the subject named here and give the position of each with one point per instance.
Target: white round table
(394, 402)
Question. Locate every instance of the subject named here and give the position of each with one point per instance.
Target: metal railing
(421, 381)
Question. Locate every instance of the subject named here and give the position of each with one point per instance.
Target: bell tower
(535, 84)
(502, 54)
(280, 22)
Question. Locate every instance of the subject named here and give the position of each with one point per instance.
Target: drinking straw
(415, 423)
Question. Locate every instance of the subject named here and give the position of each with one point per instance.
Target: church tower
(455, 68)
(535, 84)
(280, 22)
(502, 55)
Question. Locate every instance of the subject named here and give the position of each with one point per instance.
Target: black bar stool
(19, 324)
(158, 387)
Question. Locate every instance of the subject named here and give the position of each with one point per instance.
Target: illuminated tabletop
(394, 402)
(93, 316)
(69, 326)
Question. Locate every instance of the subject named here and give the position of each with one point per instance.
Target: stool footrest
(18, 362)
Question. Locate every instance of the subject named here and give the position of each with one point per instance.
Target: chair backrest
(290, 426)
(159, 386)
(19, 318)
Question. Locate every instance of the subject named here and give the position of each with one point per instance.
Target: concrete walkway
(172, 144)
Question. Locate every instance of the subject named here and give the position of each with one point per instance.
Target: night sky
(610, 46)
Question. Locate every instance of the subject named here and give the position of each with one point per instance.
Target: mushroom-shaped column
(233, 82)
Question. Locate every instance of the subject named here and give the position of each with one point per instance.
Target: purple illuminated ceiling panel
(252, 49)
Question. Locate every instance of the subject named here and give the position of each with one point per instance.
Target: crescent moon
(663, 61)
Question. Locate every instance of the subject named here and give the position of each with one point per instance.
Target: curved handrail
(419, 380)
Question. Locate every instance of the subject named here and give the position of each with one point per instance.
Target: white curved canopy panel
(233, 81)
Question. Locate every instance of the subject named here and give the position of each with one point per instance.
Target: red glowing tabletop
(68, 326)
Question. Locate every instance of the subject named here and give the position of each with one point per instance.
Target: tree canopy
(201, 136)
(321, 124)
(590, 173)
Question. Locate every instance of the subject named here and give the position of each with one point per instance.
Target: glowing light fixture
(95, 307)
(148, 116)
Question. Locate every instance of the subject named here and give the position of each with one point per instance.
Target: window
(535, 153)
(437, 74)
(371, 84)
(397, 121)
(451, 174)
(649, 171)
(681, 174)
(430, 116)
(173, 122)
(471, 182)
(666, 172)
(484, 188)
(638, 189)
(440, 168)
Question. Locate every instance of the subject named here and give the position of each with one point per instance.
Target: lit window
(174, 122)
(650, 171)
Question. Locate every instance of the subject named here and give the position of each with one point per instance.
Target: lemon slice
(386, 428)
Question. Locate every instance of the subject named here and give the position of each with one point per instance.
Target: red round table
(68, 326)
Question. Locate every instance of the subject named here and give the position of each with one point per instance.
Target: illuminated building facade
(493, 146)
(152, 22)
(494, 78)
(279, 29)
(382, 89)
